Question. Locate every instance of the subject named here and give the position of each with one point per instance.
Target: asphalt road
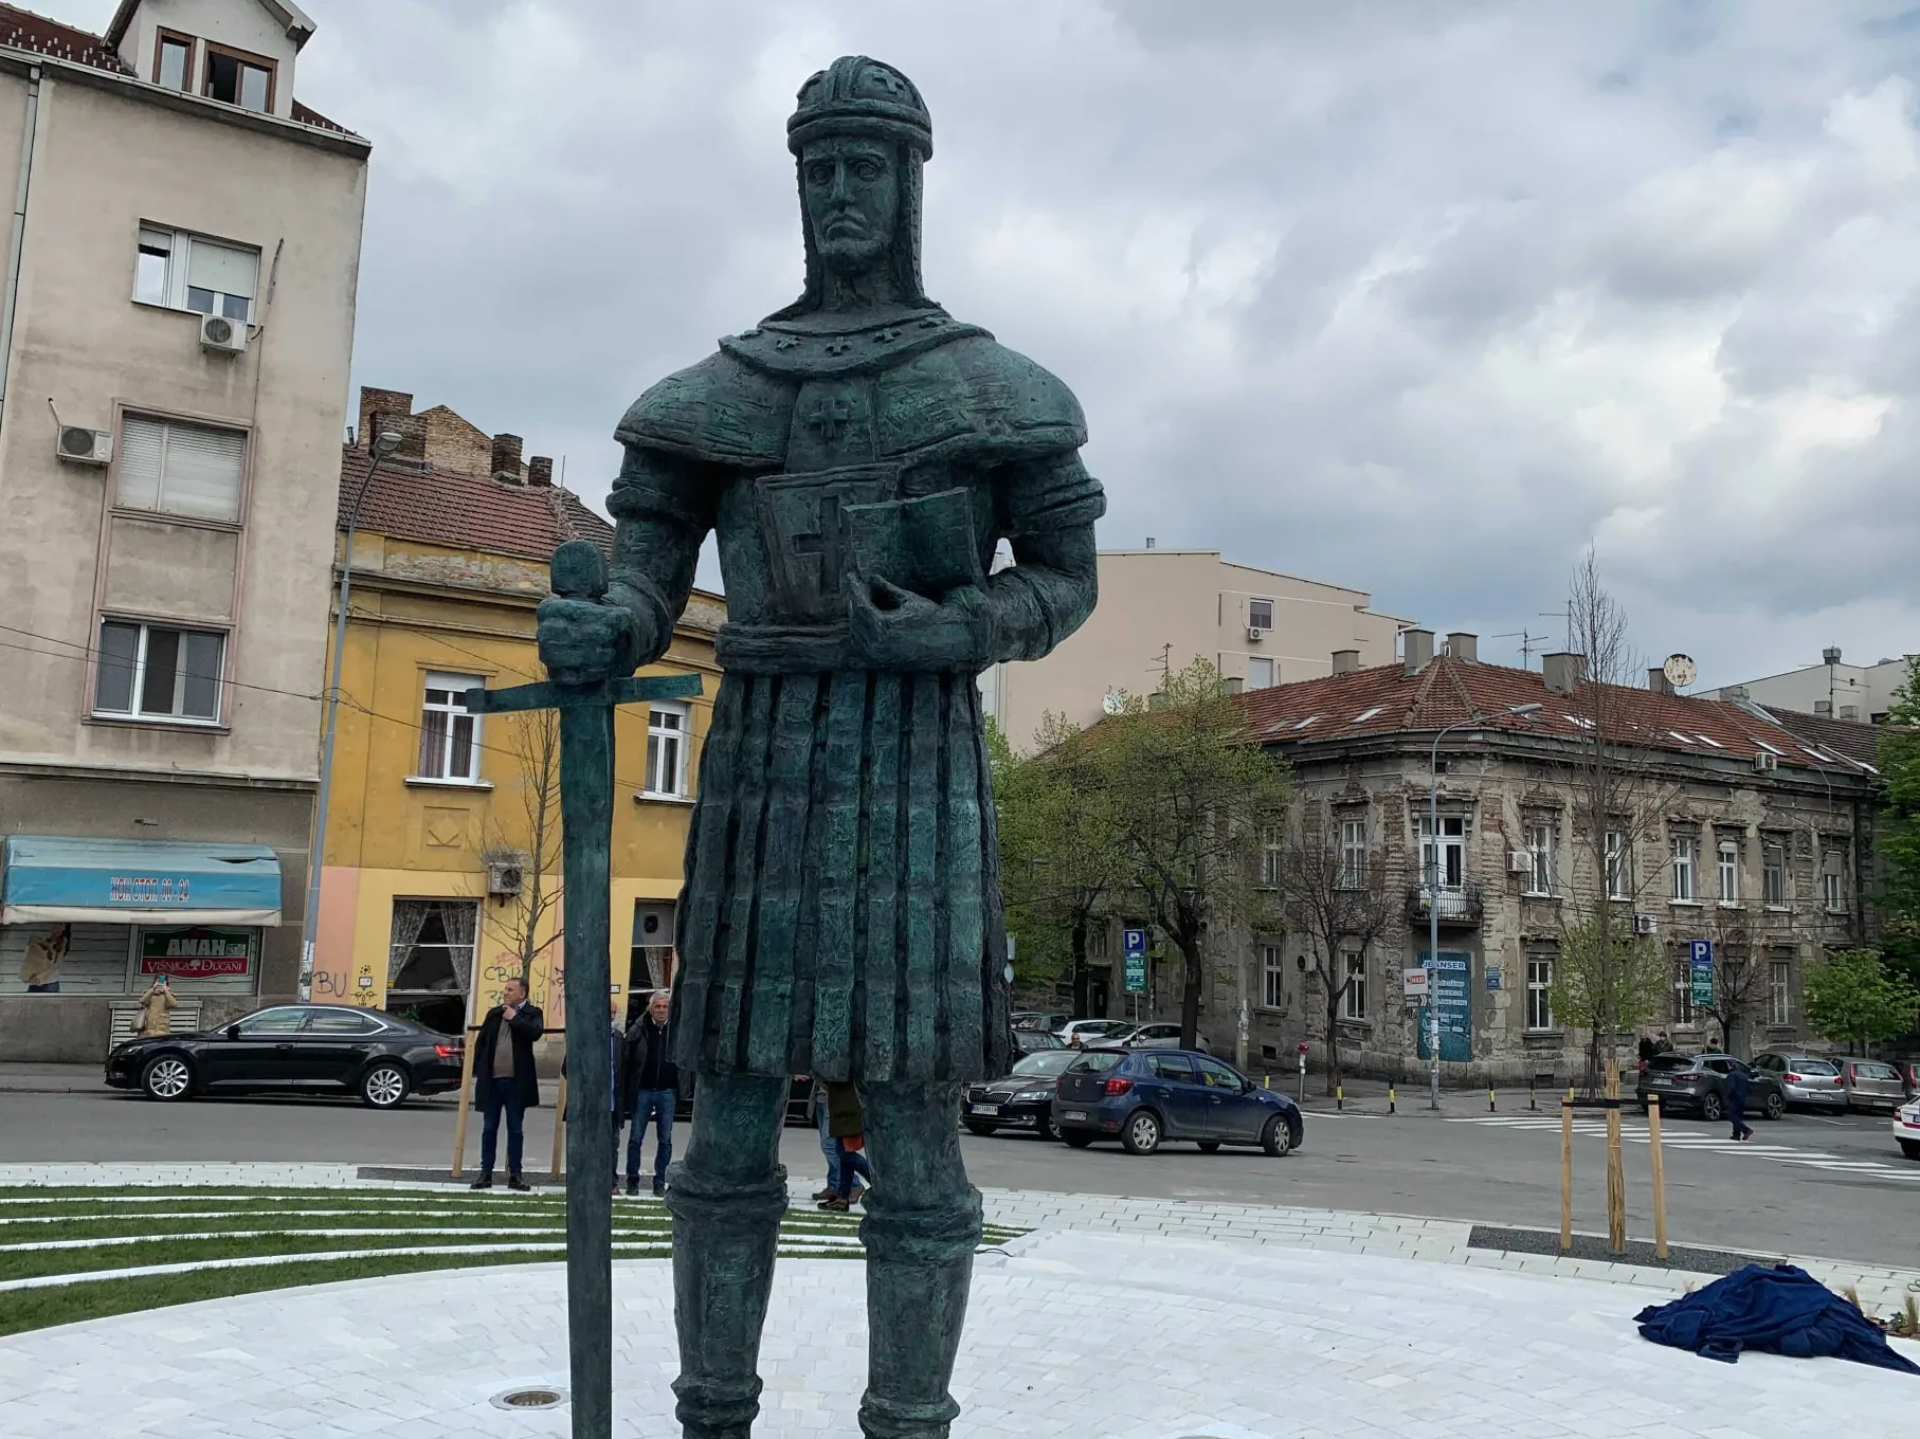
(1809, 1185)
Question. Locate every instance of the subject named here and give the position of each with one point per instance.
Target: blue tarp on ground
(1782, 1310)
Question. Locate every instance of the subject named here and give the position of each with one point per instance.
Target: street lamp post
(1432, 868)
(383, 447)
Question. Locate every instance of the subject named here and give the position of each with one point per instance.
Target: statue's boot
(919, 1270)
(725, 1236)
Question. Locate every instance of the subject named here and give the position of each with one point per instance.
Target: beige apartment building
(1161, 608)
(175, 335)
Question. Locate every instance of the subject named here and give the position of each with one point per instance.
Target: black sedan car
(1022, 1100)
(1696, 1084)
(325, 1049)
(1036, 1041)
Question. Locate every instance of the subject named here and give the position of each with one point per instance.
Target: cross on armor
(828, 417)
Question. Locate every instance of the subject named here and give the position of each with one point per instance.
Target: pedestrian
(40, 970)
(1735, 1091)
(828, 1145)
(847, 1124)
(1663, 1045)
(651, 1089)
(616, 1074)
(504, 1080)
(156, 1009)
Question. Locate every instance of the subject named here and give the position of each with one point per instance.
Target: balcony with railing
(1459, 905)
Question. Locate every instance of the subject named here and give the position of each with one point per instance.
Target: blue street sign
(1133, 944)
(1700, 969)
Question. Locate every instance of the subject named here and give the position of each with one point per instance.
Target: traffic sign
(1700, 969)
(1133, 943)
(1414, 983)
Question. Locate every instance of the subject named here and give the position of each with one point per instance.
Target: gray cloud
(1419, 298)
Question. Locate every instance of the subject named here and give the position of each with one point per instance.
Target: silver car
(1869, 1084)
(1157, 1035)
(1809, 1081)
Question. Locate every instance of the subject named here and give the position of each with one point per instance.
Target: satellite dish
(1113, 704)
(1680, 671)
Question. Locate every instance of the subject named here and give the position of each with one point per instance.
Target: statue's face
(852, 189)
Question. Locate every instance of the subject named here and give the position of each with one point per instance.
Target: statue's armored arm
(1048, 512)
(662, 505)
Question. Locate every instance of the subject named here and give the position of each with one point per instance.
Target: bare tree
(1339, 901)
(534, 741)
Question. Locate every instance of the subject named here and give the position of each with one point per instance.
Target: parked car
(1022, 1100)
(1156, 1035)
(1697, 1083)
(294, 1048)
(1081, 1033)
(1870, 1084)
(1046, 1021)
(1906, 1128)
(1806, 1079)
(1037, 1041)
(1143, 1097)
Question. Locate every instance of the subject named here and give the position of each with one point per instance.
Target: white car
(1906, 1128)
(1158, 1036)
(1084, 1032)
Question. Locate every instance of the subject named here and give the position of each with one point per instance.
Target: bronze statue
(860, 455)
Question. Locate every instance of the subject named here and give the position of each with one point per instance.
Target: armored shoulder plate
(719, 410)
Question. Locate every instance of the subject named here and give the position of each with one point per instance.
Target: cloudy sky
(1423, 299)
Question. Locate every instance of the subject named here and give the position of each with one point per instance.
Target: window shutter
(203, 469)
(142, 443)
(222, 269)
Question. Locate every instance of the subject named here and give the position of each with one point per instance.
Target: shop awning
(59, 880)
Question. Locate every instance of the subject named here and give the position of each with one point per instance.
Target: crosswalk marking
(1637, 1133)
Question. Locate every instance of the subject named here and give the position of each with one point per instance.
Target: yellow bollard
(1266, 1081)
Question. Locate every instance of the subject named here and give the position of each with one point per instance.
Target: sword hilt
(579, 571)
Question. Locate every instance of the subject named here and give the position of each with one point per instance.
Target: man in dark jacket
(503, 1079)
(1736, 1090)
(650, 1087)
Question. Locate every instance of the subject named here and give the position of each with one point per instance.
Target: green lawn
(205, 1225)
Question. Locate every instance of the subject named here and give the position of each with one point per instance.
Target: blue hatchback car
(1143, 1097)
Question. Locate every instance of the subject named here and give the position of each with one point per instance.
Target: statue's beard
(849, 256)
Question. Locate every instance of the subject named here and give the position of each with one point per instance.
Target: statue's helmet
(858, 95)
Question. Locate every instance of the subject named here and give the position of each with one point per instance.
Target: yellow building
(442, 864)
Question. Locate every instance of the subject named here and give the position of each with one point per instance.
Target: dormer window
(237, 78)
(173, 61)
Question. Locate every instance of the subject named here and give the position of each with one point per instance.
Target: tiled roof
(1854, 740)
(1387, 700)
(412, 501)
(24, 30)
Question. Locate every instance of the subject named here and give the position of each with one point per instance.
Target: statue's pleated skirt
(841, 916)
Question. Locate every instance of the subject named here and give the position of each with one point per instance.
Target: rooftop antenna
(1566, 616)
(1527, 643)
(1166, 664)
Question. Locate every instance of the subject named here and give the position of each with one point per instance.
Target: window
(158, 672)
(1353, 853)
(1174, 1068)
(1270, 854)
(1833, 882)
(1773, 873)
(1260, 615)
(1259, 673)
(187, 470)
(235, 78)
(430, 947)
(1215, 1075)
(1273, 977)
(1684, 852)
(172, 60)
(285, 1020)
(1097, 940)
(342, 1021)
(1540, 858)
(1729, 851)
(1539, 994)
(1779, 998)
(667, 750)
(1451, 865)
(449, 735)
(1682, 991)
(188, 272)
(1353, 999)
(1618, 864)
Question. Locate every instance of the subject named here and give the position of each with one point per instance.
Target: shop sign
(199, 953)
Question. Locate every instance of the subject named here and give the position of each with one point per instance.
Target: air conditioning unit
(1765, 762)
(1644, 924)
(80, 446)
(217, 332)
(505, 877)
(1519, 862)
(1256, 633)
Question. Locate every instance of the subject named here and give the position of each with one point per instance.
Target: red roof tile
(1387, 700)
(466, 512)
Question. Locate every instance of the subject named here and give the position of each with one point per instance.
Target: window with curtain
(181, 469)
(449, 734)
(430, 947)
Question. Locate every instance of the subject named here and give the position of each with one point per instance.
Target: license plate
(986, 1109)
(1074, 1114)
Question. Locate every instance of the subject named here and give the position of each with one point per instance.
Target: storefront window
(120, 959)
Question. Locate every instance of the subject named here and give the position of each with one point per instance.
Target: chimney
(1149, 541)
(1823, 707)
(1563, 671)
(1657, 680)
(1850, 712)
(540, 472)
(1463, 646)
(1417, 649)
(412, 430)
(1345, 662)
(394, 404)
(506, 458)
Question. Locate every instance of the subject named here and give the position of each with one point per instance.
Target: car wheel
(1711, 1109)
(384, 1086)
(1910, 1148)
(1141, 1133)
(1076, 1138)
(1209, 1146)
(167, 1076)
(1277, 1137)
(975, 1126)
(1775, 1107)
(1052, 1127)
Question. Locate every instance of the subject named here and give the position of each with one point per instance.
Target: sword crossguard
(579, 571)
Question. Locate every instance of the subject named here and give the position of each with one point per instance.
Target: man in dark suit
(504, 1081)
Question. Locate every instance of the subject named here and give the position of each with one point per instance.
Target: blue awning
(131, 881)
